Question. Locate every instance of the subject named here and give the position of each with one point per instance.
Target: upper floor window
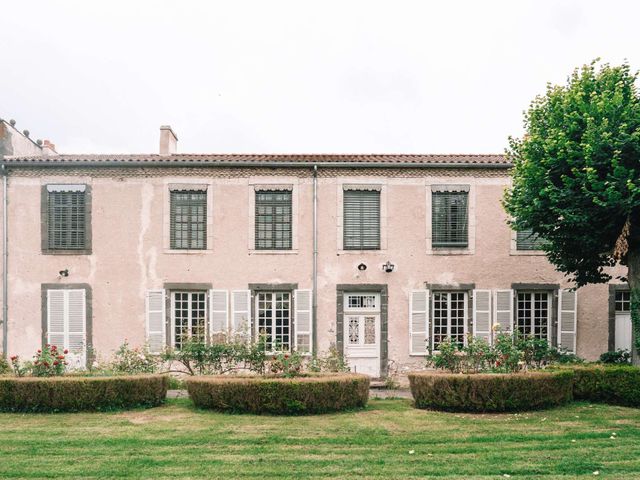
(361, 220)
(449, 216)
(527, 240)
(67, 217)
(188, 223)
(273, 220)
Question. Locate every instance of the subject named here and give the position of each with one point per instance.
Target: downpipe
(5, 259)
(314, 295)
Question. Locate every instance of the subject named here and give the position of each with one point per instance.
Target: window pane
(449, 219)
(273, 220)
(449, 316)
(188, 229)
(532, 318)
(361, 219)
(274, 319)
(67, 220)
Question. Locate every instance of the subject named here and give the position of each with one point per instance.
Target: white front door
(362, 332)
(623, 331)
(623, 320)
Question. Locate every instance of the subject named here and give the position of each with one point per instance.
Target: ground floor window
(189, 317)
(533, 314)
(273, 313)
(449, 317)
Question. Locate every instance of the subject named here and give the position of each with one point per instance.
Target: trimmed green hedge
(491, 392)
(72, 394)
(288, 396)
(618, 384)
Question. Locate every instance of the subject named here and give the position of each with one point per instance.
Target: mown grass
(177, 440)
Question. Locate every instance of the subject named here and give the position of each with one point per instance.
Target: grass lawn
(178, 441)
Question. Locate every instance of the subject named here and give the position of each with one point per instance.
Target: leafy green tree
(576, 177)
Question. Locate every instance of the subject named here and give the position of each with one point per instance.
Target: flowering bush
(4, 366)
(331, 362)
(19, 368)
(134, 360)
(286, 364)
(49, 362)
(507, 353)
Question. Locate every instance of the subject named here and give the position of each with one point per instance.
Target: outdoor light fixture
(388, 267)
(362, 267)
(64, 273)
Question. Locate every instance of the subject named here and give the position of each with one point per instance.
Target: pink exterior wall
(130, 251)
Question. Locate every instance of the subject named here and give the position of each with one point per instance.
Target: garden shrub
(619, 384)
(620, 357)
(491, 392)
(4, 366)
(134, 361)
(276, 395)
(78, 393)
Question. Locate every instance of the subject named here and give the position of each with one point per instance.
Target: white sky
(295, 76)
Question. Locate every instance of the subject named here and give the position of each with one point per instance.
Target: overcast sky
(295, 76)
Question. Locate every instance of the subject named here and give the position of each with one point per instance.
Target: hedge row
(491, 392)
(72, 394)
(300, 395)
(618, 385)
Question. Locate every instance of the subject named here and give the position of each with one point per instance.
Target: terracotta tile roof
(188, 159)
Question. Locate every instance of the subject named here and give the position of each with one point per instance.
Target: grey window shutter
(449, 219)
(418, 322)
(241, 313)
(503, 310)
(361, 220)
(273, 220)
(188, 220)
(219, 311)
(155, 310)
(527, 240)
(567, 319)
(303, 323)
(66, 219)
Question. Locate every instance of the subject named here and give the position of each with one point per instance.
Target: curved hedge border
(618, 384)
(288, 396)
(72, 394)
(491, 392)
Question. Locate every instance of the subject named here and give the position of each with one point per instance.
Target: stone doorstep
(373, 393)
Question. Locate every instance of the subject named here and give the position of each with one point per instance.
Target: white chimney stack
(168, 141)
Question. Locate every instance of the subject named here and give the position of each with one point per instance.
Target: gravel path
(373, 393)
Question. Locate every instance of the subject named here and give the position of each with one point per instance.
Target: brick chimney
(168, 141)
(48, 148)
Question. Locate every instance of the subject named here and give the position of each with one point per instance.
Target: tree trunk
(633, 277)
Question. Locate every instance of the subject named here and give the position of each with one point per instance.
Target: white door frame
(362, 351)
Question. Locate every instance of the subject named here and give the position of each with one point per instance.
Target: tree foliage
(576, 177)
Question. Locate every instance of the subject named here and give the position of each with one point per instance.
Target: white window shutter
(503, 310)
(303, 325)
(219, 308)
(418, 321)
(482, 314)
(56, 313)
(76, 327)
(241, 312)
(156, 331)
(567, 319)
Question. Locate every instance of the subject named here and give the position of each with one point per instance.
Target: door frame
(613, 288)
(380, 289)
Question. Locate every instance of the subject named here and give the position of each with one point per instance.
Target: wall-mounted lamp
(63, 273)
(362, 267)
(388, 267)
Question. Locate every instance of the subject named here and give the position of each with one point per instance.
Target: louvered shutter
(361, 220)
(482, 314)
(303, 322)
(156, 331)
(503, 310)
(219, 308)
(527, 240)
(56, 312)
(241, 312)
(567, 319)
(418, 321)
(449, 219)
(76, 327)
(188, 219)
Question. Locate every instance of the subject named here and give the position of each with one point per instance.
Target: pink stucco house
(381, 255)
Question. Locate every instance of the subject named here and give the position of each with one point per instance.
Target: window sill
(187, 252)
(451, 251)
(527, 253)
(362, 252)
(67, 252)
(273, 252)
